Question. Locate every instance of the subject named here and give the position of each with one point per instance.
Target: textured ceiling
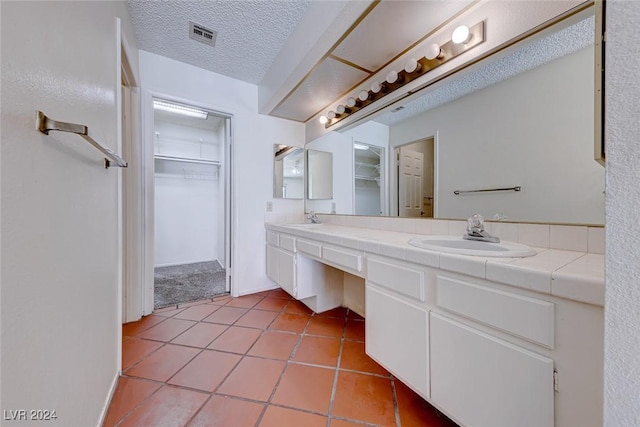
(250, 33)
(553, 46)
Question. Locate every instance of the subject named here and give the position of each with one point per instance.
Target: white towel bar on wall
(458, 192)
(44, 124)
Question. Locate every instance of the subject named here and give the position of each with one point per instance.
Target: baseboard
(112, 391)
(256, 290)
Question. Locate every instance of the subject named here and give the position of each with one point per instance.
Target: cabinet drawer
(484, 381)
(518, 315)
(288, 243)
(309, 248)
(272, 238)
(343, 258)
(398, 278)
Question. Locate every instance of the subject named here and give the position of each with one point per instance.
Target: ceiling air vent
(204, 35)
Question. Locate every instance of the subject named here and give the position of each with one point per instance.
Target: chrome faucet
(476, 231)
(313, 217)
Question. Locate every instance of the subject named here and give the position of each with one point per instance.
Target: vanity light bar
(396, 79)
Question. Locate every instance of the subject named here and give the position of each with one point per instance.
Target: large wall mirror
(288, 172)
(519, 124)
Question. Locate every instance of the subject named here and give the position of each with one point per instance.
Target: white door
(410, 170)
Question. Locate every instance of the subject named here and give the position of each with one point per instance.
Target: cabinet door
(272, 263)
(484, 381)
(287, 272)
(396, 337)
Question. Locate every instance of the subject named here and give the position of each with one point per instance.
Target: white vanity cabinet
(483, 352)
(485, 381)
(291, 263)
(397, 325)
(281, 263)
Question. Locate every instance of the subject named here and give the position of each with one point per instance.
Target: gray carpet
(188, 282)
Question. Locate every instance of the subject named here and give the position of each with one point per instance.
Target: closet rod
(187, 160)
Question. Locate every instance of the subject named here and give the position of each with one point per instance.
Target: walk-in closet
(190, 253)
(368, 175)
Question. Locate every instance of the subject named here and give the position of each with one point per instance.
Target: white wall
(534, 130)
(188, 214)
(253, 136)
(61, 266)
(622, 298)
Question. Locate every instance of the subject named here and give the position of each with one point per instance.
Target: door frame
(393, 174)
(148, 168)
(129, 182)
(384, 183)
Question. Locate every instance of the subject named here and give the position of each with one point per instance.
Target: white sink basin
(458, 245)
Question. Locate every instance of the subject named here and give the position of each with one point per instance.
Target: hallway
(258, 360)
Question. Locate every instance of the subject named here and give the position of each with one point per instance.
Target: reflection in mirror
(320, 177)
(522, 118)
(288, 172)
(369, 173)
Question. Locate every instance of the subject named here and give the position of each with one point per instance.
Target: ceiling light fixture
(360, 146)
(434, 52)
(179, 109)
(462, 39)
(412, 65)
(392, 76)
(323, 119)
(461, 35)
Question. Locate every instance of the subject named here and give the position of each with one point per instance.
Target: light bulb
(363, 95)
(376, 87)
(340, 109)
(461, 35)
(412, 65)
(392, 76)
(323, 120)
(331, 114)
(351, 102)
(434, 52)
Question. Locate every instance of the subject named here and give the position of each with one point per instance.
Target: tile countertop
(573, 275)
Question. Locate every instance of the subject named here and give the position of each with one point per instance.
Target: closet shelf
(187, 160)
(367, 178)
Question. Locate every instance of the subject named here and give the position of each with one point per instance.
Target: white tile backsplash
(504, 230)
(596, 240)
(440, 227)
(569, 237)
(457, 228)
(534, 235)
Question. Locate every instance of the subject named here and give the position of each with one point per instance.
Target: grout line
(334, 388)
(135, 408)
(287, 362)
(396, 407)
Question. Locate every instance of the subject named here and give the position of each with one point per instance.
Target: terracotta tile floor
(261, 360)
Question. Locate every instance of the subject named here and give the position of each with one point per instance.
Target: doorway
(191, 209)
(369, 178)
(415, 178)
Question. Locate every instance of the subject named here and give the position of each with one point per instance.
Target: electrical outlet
(269, 206)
